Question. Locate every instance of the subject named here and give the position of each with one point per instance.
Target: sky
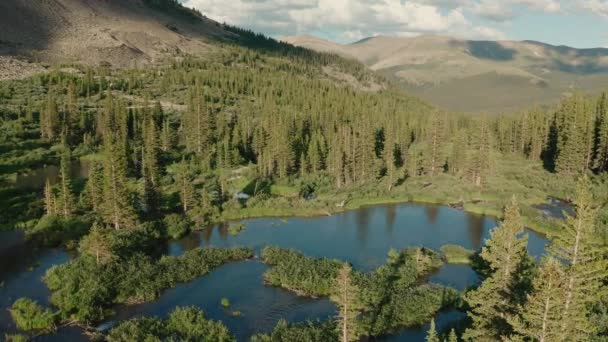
(577, 23)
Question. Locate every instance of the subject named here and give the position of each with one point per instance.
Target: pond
(362, 237)
(36, 179)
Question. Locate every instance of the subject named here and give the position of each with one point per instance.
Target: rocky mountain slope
(470, 75)
(119, 32)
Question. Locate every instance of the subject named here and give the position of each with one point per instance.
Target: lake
(362, 237)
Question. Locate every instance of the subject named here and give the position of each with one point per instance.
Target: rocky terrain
(122, 33)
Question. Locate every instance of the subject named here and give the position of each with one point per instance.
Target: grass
(455, 254)
(235, 229)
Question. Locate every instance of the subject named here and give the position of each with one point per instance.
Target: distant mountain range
(467, 75)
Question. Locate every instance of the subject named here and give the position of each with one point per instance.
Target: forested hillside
(261, 128)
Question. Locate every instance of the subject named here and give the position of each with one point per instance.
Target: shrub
(183, 324)
(176, 225)
(29, 315)
(302, 332)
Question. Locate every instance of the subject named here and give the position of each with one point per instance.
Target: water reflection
(362, 237)
(476, 227)
(37, 178)
(362, 225)
(432, 212)
(391, 213)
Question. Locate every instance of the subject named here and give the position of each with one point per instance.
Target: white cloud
(505, 10)
(595, 6)
(348, 19)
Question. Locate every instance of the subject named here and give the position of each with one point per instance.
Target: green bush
(177, 226)
(303, 332)
(28, 315)
(296, 272)
(183, 324)
(84, 289)
(455, 254)
(52, 231)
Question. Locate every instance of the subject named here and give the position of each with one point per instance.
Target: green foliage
(454, 254)
(29, 316)
(177, 225)
(305, 332)
(225, 302)
(498, 296)
(391, 296)
(296, 272)
(15, 338)
(53, 230)
(84, 289)
(235, 229)
(183, 324)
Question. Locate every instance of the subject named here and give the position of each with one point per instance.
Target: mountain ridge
(433, 67)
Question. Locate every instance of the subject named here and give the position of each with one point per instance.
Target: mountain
(119, 32)
(467, 75)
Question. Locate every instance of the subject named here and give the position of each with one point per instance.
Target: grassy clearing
(455, 254)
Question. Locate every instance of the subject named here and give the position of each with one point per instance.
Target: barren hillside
(477, 75)
(120, 32)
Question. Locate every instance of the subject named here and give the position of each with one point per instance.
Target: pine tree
(435, 138)
(117, 209)
(601, 140)
(389, 159)
(346, 297)
(480, 161)
(186, 189)
(458, 158)
(586, 266)
(150, 151)
(431, 335)
(94, 187)
(50, 206)
(453, 337)
(66, 197)
(49, 118)
(493, 301)
(573, 148)
(97, 244)
(538, 319)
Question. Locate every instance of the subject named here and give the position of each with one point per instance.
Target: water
(37, 178)
(363, 237)
(556, 208)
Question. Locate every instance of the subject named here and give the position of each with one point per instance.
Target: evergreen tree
(186, 189)
(458, 158)
(452, 337)
(117, 209)
(601, 140)
(573, 149)
(98, 245)
(435, 138)
(346, 296)
(66, 197)
(493, 301)
(94, 187)
(480, 161)
(538, 319)
(431, 335)
(50, 206)
(49, 118)
(586, 266)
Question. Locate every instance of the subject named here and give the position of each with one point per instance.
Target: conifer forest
(257, 129)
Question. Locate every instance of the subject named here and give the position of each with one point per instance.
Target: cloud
(347, 20)
(505, 10)
(595, 6)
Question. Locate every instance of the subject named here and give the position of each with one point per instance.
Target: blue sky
(578, 23)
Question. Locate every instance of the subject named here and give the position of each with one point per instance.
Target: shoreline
(547, 228)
